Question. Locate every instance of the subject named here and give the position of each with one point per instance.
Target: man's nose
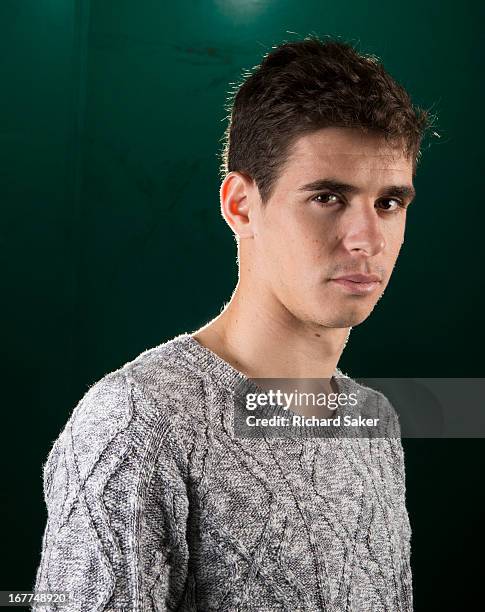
(363, 232)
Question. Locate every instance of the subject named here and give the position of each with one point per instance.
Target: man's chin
(346, 318)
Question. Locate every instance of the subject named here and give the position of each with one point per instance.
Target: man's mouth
(358, 284)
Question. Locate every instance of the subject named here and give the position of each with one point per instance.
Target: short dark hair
(304, 86)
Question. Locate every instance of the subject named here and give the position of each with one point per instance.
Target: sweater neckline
(226, 375)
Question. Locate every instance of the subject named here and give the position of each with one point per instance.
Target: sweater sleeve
(116, 497)
(396, 463)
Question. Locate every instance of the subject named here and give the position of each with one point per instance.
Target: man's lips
(360, 278)
(357, 284)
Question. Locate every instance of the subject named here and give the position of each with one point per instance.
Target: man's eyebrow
(403, 191)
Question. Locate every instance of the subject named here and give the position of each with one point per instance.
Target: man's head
(319, 158)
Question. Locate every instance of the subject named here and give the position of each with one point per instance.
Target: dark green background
(112, 242)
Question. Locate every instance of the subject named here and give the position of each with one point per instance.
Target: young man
(154, 503)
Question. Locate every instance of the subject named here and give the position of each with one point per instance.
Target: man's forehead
(349, 164)
(347, 147)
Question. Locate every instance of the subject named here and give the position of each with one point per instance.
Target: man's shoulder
(373, 403)
(148, 401)
(167, 374)
(160, 381)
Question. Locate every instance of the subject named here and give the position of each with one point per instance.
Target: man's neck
(269, 344)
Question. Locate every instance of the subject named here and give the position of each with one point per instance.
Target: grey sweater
(154, 504)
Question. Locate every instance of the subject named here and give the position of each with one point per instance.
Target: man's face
(307, 236)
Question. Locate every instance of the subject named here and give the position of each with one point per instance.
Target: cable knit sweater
(154, 504)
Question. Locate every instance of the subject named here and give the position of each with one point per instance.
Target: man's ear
(235, 194)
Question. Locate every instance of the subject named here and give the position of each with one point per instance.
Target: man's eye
(327, 198)
(395, 204)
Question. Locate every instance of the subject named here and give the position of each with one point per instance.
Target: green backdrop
(112, 242)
